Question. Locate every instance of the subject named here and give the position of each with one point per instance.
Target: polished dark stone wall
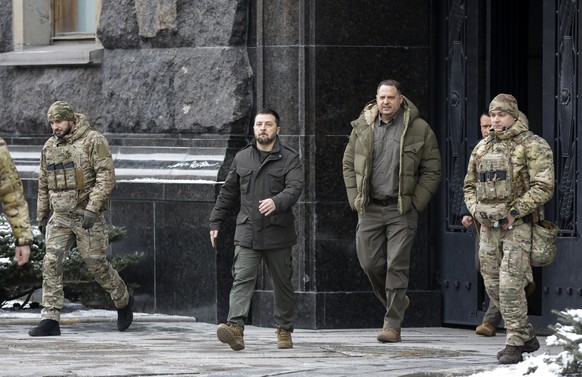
(331, 55)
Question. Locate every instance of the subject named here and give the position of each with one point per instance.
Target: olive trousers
(384, 240)
(245, 268)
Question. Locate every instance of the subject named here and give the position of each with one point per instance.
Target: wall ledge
(61, 54)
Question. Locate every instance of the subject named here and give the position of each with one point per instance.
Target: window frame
(64, 15)
(34, 43)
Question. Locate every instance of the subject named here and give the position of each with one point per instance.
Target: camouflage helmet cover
(60, 110)
(506, 103)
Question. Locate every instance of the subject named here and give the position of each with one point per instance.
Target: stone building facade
(174, 84)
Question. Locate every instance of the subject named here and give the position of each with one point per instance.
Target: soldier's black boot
(511, 355)
(530, 346)
(46, 327)
(125, 315)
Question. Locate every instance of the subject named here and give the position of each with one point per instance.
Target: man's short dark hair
(393, 83)
(271, 112)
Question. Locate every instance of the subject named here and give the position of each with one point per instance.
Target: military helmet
(60, 110)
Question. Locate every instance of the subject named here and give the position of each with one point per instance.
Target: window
(54, 32)
(75, 19)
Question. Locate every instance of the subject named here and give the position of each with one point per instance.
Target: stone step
(137, 159)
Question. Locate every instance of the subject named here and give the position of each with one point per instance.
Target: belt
(385, 202)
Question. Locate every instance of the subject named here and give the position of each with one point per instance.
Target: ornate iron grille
(456, 113)
(566, 109)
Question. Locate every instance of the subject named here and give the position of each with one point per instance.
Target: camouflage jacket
(76, 172)
(532, 173)
(12, 195)
(420, 160)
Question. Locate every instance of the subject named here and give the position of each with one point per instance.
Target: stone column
(318, 63)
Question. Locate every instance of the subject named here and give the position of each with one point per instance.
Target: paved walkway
(157, 345)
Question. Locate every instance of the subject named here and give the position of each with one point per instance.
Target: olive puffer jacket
(420, 161)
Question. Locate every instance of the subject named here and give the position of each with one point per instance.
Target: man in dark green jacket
(267, 179)
(391, 169)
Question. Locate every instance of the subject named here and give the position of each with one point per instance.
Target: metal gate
(529, 49)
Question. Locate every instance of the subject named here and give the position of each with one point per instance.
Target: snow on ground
(543, 365)
(533, 366)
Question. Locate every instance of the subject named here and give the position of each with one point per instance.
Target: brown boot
(485, 329)
(511, 355)
(231, 334)
(284, 340)
(389, 335)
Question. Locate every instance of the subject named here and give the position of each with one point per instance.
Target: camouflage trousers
(63, 233)
(506, 270)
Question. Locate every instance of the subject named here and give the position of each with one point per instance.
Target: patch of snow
(162, 180)
(532, 366)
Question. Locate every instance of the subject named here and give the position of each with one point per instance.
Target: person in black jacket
(267, 179)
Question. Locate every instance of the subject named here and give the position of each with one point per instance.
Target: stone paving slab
(169, 346)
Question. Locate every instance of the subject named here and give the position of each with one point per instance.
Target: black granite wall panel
(138, 216)
(185, 261)
(318, 63)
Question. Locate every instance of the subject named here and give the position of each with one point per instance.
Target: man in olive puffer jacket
(391, 169)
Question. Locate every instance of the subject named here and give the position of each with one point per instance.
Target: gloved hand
(42, 226)
(89, 218)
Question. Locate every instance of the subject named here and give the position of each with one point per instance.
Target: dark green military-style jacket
(279, 177)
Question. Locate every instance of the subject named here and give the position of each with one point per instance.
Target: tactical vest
(495, 174)
(497, 188)
(64, 177)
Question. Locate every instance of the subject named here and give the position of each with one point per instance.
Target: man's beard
(65, 132)
(266, 141)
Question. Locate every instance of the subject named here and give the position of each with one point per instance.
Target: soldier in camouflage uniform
(509, 178)
(14, 205)
(75, 181)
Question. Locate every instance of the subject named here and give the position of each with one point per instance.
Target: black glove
(42, 226)
(89, 218)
